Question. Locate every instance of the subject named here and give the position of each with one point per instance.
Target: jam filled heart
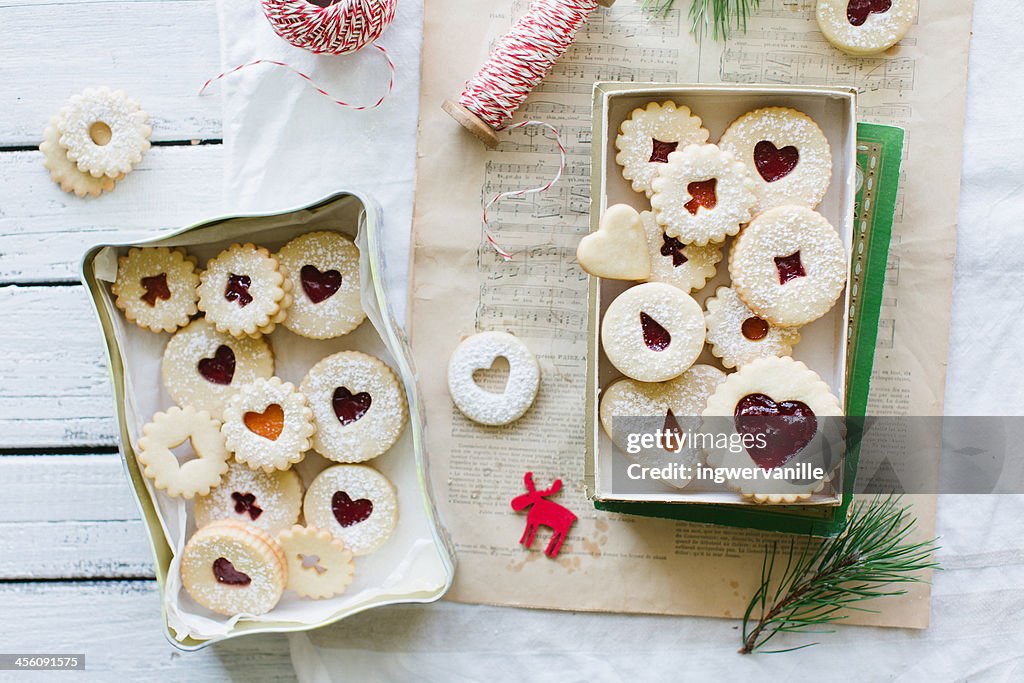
(221, 368)
(774, 163)
(789, 267)
(246, 503)
(660, 151)
(786, 428)
(672, 247)
(156, 288)
(754, 328)
(656, 337)
(319, 286)
(702, 195)
(237, 289)
(267, 424)
(226, 573)
(350, 407)
(348, 511)
(857, 11)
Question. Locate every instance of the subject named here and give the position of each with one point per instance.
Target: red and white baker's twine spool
(520, 61)
(327, 27)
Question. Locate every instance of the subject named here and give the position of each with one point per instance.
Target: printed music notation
(741, 65)
(535, 139)
(579, 77)
(623, 20)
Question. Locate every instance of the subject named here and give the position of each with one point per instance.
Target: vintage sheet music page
(460, 286)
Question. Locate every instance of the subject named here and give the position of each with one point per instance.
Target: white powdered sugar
(125, 132)
(340, 494)
(696, 266)
(275, 503)
(726, 315)
(175, 274)
(878, 32)
(259, 296)
(254, 402)
(479, 352)
(665, 122)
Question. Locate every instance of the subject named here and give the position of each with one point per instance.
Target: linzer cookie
(156, 287)
(787, 154)
(479, 352)
(649, 135)
(234, 568)
(865, 27)
(653, 332)
(631, 407)
(788, 266)
(272, 501)
(104, 131)
(324, 271)
(244, 291)
(319, 565)
(787, 415)
(355, 503)
(685, 266)
(268, 425)
(168, 431)
(702, 195)
(358, 406)
(203, 367)
(737, 335)
(64, 171)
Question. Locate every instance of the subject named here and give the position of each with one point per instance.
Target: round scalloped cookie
(358, 405)
(803, 416)
(268, 425)
(270, 501)
(653, 332)
(355, 503)
(737, 335)
(234, 568)
(171, 429)
(788, 266)
(202, 367)
(156, 287)
(631, 407)
(865, 27)
(685, 266)
(319, 565)
(65, 172)
(649, 135)
(105, 132)
(702, 195)
(787, 154)
(244, 291)
(324, 271)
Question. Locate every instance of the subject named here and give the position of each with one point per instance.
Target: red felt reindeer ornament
(543, 513)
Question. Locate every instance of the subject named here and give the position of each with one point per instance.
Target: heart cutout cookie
(773, 163)
(786, 427)
(618, 250)
(319, 286)
(348, 511)
(267, 424)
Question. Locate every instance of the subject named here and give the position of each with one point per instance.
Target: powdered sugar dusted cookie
(355, 503)
(104, 132)
(865, 27)
(685, 266)
(268, 425)
(789, 266)
(244, 291)
(358, 406)
(702, 195)
(631, 407)
(787, 154)
(234, 568)
(170, 430)
(737, 335)
(203, 367)
(156, 287)
(653, 332)
(787, 415)
(272, 501)
(65, 172)
(324, 270)
(649, 135)
(479, 352)
(319, 565)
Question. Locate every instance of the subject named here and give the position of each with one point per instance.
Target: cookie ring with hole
(171, 429)
(479, 353)
(105, 132)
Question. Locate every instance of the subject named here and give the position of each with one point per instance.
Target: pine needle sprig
(823, 578)
(723, 16)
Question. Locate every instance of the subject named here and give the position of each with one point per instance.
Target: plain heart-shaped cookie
(618, 250)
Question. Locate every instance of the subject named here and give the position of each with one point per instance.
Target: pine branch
(721, 15)
(823, 579)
